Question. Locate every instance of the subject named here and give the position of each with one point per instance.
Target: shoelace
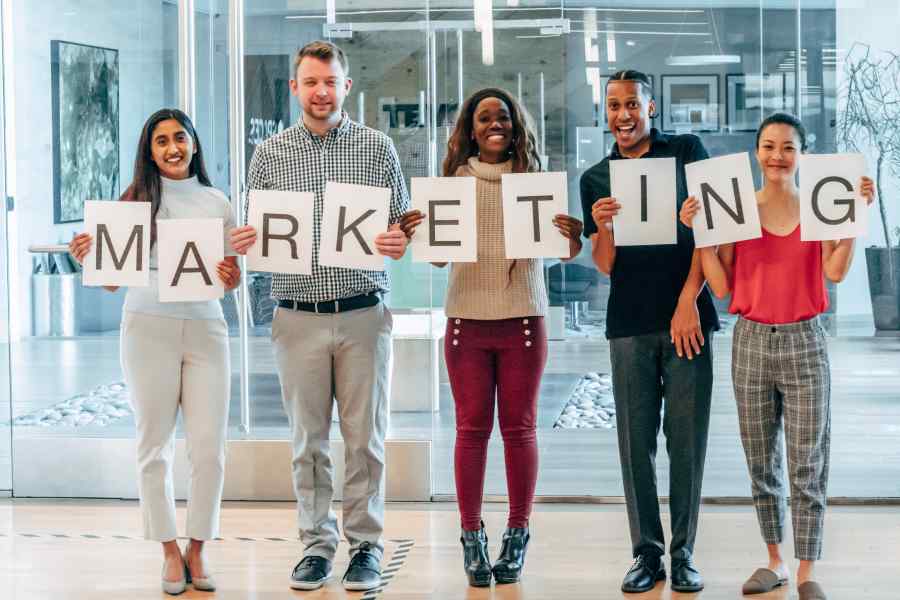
(363, 556)
(312, 562)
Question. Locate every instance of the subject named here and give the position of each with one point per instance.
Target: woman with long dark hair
(496, 341)
(779, 364)
(175, 354)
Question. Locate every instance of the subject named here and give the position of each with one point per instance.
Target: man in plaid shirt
(331, 332)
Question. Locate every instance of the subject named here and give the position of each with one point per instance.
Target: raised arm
(837, 255)
(716, 262)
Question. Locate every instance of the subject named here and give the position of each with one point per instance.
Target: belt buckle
(337, 306)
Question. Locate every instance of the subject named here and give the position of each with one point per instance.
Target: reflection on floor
(65, 549)
(866, 413)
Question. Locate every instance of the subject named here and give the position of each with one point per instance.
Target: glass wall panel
(387, 51)
(87, 74)
(850, 68)
(5, 397)
(717, 68)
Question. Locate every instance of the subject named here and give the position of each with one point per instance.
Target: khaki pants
(170, 364)
(342, 357)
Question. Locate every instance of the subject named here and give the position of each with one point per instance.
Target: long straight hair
(145, 185)
(522, 151)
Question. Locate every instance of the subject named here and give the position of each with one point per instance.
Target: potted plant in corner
(867, 121)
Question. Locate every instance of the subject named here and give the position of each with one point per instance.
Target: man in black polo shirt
(659, 318)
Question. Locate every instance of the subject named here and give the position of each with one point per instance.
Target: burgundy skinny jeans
(502, 359)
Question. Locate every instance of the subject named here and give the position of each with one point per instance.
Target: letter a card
(530, 201)
(120, 252)
(353, 216)
(831, 207)
(284, 231)
(189, 251)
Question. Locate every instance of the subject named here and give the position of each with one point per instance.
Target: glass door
(5, 397)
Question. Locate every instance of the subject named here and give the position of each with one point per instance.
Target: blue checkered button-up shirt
(297, 160)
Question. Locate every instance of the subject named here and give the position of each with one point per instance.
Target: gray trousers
(782, 385)
(342, 357)
(649, 377)
(171, 365)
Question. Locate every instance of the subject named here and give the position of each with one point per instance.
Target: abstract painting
(85, 114)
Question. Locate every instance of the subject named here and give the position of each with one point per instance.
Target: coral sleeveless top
(778, 279)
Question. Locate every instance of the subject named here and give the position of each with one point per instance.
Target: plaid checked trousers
(782, 384)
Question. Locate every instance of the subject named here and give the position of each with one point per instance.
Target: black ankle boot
(508, 567)
(475, 557)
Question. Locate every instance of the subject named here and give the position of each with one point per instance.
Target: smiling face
(492, 129)
(321, 87)
(777, 151)
(628, 110)
(172, 148)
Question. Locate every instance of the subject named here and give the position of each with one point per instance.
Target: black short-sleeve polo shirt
(646, 281)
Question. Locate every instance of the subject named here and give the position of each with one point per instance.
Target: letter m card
(284, 231)
(530, 201)
(831, 207)
(120, 252)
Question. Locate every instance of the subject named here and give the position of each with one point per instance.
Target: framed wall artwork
(85, 116)
(750, 98)
(690, 103)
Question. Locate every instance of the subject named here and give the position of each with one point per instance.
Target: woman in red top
(779, 356)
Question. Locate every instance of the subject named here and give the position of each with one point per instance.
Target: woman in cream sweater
(496, 342)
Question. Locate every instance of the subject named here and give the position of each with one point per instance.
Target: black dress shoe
(508, 567)
(310, 573)
(643, 574)
(475, 557)
(685, 576)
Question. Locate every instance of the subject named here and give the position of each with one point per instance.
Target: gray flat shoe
(762, 581)
(174, 588)
(811, 591)
(204, 584)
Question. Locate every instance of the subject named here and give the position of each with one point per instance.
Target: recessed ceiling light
(630, 43)
(703, 59)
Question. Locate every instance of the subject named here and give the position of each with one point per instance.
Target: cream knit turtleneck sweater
(487, 289)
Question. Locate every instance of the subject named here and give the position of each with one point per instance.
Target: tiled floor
(92, 549)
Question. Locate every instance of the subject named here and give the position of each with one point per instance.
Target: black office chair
(569, 284)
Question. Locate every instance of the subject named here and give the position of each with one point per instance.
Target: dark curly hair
(461, 146)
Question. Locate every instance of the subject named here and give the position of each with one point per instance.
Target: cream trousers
(170, 364)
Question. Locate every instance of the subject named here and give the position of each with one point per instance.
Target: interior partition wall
(717, 66)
